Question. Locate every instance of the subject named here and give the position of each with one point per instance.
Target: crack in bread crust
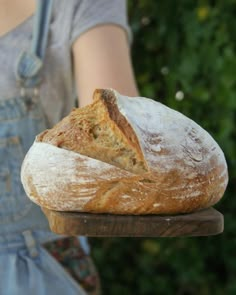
(99, 131)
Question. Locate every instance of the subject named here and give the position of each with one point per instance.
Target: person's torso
(21, 122)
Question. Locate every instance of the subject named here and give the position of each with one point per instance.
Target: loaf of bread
(123, 155)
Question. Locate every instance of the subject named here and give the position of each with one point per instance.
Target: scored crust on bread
(125, 155)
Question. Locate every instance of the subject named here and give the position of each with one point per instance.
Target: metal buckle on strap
(30, 243)
(30, 96)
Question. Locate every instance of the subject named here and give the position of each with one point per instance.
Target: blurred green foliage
(184, 56)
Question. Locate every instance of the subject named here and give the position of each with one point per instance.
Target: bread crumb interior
(90, 131)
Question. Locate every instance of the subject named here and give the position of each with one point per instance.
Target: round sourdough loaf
(125, 155)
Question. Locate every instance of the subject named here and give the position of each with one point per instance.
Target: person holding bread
(50, 53)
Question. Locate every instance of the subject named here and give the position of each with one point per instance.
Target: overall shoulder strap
(41, 27)
(30, 62)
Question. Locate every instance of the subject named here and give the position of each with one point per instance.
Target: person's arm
(102, 60)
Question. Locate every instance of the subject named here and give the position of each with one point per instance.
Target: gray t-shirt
(70, 18)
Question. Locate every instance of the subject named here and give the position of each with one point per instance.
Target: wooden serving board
(202, 223)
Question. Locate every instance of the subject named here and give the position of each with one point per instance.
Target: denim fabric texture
(27, 69)
(27, 268)
(23, 227)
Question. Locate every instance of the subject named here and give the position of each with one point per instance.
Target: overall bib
(25, 266)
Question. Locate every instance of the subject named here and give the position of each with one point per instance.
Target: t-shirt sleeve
(91, 13)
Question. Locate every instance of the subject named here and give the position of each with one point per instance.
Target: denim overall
(25, 267)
